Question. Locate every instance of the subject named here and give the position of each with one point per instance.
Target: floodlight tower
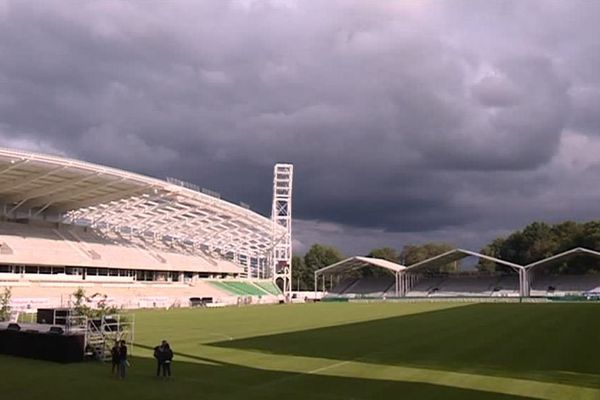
(281, 214)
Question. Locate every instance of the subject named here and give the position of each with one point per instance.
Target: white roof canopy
(456, 255)
(354, 263)
(108, 199)
(564, 256)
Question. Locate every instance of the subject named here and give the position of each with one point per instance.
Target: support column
(402, 284)
(526, 285)
(521, 283)
(281, 215)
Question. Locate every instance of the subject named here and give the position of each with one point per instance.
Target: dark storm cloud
(426, 119)
(586, 103)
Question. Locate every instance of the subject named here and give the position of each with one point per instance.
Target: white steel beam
(49, 189)
(107, 198)
(13, 164)
(281, 215)
(22, 181)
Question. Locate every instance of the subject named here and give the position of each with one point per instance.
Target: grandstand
(559, 275)
(439, 276)
(351, 282)
(141, 241)
(444, 276)
(365, 287)
(471, 285)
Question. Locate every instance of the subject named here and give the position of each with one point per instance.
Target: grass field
(343, 351)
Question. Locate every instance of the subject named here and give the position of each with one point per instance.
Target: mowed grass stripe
(206, 325)
(335, 351)
(483, 383)
(536, 341)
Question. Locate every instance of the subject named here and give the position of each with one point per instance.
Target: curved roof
(73, 191)
(353, 263)
(455, 255)
(564, 256)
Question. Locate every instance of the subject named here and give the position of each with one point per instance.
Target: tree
(300, 277)
(81, 307)
(494, 249)
(540, 240)
(319, 256)
(385, 253)
(5, 304)
(569, 234)
(412, 254)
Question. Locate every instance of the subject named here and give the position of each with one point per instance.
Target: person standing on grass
(123, 362)
(114, 356)
(159, 354)
(168, 358)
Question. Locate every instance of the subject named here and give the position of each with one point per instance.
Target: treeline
(536, 241)
(540, 240)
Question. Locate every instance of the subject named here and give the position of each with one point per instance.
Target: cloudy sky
(406, 121)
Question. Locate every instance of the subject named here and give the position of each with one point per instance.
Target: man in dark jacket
(167, 357)
(164, 356)
(159, 355)
(123, 362)
(114, 355)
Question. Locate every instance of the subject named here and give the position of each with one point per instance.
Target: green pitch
(343, 351)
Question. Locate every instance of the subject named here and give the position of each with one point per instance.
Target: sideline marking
(334, 365)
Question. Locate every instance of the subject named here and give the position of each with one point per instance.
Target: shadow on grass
(205, 381)
(543, 342)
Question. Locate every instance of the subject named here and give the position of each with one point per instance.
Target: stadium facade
(67, 223)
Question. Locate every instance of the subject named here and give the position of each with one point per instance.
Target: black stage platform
(39, 342)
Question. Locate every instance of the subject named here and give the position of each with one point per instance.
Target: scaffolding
(101, 333)
(281, 215)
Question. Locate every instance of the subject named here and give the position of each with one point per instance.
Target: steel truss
(281, 214)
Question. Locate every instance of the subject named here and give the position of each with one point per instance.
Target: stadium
(140, 241)
(160, 248)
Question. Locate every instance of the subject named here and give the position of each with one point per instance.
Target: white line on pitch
(334, 365)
